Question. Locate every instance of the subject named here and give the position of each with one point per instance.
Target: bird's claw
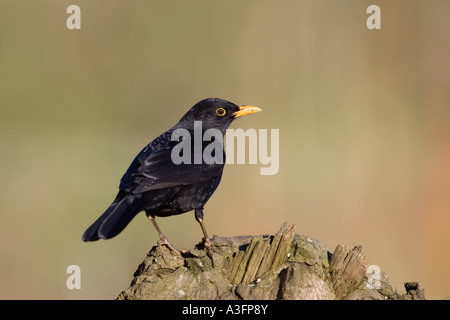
(166, 243)
(206, 245)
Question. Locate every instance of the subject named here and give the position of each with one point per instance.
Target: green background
(363, 117)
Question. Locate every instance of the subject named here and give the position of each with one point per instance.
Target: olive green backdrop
(363, 117)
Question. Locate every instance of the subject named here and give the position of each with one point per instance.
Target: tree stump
(282, 266)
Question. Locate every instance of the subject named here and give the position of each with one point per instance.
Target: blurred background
(363, 117)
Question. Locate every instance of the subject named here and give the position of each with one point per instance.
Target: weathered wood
(262, 255)
(244, 262)
(280, 266)
(261, 247)
(347, 269)
(280, 247)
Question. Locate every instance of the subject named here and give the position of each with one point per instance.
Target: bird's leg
(206, 240)
(199, 217)
(162, 238)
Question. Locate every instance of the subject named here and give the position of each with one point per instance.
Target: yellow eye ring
(221, 112)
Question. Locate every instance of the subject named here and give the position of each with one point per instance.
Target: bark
(282, 266)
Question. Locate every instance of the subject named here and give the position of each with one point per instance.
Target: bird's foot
(206, 245)
(165, 242)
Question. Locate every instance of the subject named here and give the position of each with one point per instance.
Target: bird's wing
(156, 170)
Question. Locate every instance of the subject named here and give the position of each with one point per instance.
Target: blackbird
(155, 184)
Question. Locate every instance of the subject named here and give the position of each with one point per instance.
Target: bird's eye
(220, 112)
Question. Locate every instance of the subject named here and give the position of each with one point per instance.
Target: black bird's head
(214, 113)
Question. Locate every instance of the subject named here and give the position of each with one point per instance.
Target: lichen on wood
(281, 266)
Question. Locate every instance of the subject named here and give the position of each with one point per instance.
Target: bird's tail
(113, 220)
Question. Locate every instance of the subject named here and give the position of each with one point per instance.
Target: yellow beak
(244, 110)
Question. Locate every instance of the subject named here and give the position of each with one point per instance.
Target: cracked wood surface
(281, 266)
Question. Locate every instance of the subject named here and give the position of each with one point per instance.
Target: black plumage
(155, 184)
